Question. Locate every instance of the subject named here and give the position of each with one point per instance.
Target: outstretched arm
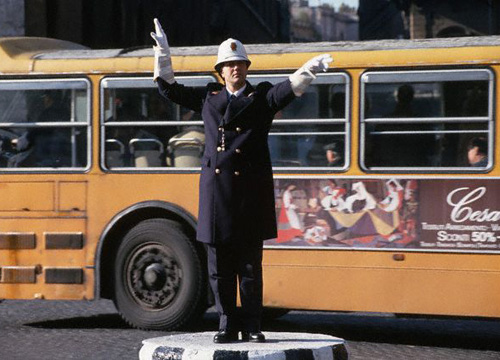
(307, 73)
(283, 93)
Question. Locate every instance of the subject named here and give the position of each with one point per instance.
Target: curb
(279, 346)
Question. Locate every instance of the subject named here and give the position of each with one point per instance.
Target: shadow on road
(112, 321)
(101, 321)
(477, 334)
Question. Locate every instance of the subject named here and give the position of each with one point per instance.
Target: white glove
(163, 62)
(307, 73)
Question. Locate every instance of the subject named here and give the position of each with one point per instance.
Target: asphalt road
(56, 330)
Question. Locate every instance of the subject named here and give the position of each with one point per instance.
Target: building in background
(452, 18)
(11, 18)
(127, 23)
(418, 19)
(322, 23)
(382, 19)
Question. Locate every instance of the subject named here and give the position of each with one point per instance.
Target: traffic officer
(236, 201)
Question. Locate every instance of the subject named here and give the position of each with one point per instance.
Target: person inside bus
(404, 103)
(333, 155)
(411, 148)
(477, 152)
(128, 110)
(236, 202)
(44, 146)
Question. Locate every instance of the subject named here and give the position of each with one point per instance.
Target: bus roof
(20, 54)
(285, 48)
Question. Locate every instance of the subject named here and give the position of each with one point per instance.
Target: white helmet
(231, 50)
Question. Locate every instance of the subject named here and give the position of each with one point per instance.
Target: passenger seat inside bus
(146, 152)
(186, 148)
(115, 153)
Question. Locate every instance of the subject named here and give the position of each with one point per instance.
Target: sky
(335, 3)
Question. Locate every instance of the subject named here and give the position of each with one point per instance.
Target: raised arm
(163, 62)
(164, 74)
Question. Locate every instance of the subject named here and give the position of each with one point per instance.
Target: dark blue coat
(236, 200)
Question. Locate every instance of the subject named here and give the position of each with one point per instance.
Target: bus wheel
(158, 277)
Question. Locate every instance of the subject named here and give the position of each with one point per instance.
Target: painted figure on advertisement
(372, 213)
(334, 198)
(360, 195)
(410, 209)
(289, 225)
(394, 199)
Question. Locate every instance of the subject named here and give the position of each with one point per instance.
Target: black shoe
(225, 336)
(257, 336)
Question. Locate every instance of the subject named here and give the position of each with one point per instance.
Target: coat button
(217, 171)
(238, 129)
(237, 151)
(237, 173)
(219, 149)
(220, 128)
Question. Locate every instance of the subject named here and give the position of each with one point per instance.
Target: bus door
(44, 146)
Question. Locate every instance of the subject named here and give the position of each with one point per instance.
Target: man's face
(330, 156)
(235, 73)
(473, 155)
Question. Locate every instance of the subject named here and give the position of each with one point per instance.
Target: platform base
(279, 346)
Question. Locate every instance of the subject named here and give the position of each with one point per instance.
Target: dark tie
(232, 97)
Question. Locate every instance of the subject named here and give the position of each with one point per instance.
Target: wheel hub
(153, 276)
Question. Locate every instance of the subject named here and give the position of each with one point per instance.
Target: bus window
(312, 131)
(425, 119)
(44, 124)
(144, 130)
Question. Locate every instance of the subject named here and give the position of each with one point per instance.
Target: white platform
(278, 346)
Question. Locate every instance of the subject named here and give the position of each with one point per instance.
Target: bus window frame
(404, 76)
(139, 82)
(322, 79)
(49, 83)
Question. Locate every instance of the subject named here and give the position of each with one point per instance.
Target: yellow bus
(386, 181)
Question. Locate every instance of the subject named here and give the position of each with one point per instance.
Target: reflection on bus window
(423, 124)
(139, 132)
(300, 136)
(43, 128)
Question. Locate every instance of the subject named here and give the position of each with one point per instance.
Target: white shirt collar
(237, 92)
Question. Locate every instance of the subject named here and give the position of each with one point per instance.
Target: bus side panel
(421, 284)
(43, 256)
(52, 291)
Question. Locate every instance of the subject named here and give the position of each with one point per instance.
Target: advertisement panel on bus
(418, 214)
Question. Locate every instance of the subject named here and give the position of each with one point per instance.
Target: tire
(159, 282)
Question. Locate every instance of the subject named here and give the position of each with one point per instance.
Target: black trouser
(228, 264)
